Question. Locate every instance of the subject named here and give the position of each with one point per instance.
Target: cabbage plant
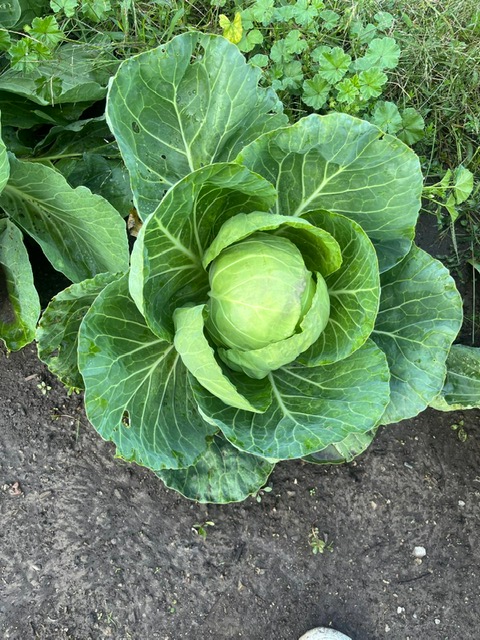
(276, 306)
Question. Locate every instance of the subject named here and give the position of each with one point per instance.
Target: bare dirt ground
(93, 548)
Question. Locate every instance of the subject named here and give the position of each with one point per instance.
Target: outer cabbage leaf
(312, 407)
(57, 331)
(222, 474)
(354, 292)
(168, 253)
(345, 165)
(344, 451)
(137, 390)
(80, 233)
(462, 384)
(19, 303)
(419, 318)
(184, 105)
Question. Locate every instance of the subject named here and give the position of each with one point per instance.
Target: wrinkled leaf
(312, 407)
(57, 331)
(344, 451)
(348, 166)
(419, 318)
(146, 408)
(184, 105)
(222, 474)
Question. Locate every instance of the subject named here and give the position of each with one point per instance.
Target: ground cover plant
(168, 374)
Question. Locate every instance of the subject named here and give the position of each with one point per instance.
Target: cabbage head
(276, 306)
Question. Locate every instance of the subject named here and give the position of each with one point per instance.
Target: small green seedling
(319, 544)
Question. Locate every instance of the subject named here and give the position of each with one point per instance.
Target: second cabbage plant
(276, 306)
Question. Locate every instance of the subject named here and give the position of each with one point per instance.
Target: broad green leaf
(258, 363)
(84, 71)
(170, 248)
(387, 116)
(4, 165)
(107, 177)
(80, 233)
(19, 303)
(57, 331)
(463, 184)
(321, 252)
(315, 91)
(348, 166)
(344, 451)
(419, 318)
(312, 407)
(10, 12)
(290, 76)
(222, 474)
(383, 53)
(199, 358)
(354, 292)
(184, 105)
(72, 140)
(137, 391)
(413, 126)
(370, 82)
(250, 40)
(333, 65)
(462, 385)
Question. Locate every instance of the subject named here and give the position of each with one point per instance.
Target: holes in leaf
(135, 127)
(126, 419)
(163, 156)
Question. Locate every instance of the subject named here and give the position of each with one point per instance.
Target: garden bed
(92, 547)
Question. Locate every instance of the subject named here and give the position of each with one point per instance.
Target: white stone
(323, 633)
(419, 552)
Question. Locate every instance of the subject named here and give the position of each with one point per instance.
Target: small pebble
(461, 503)
(419, 552)
(437, 621)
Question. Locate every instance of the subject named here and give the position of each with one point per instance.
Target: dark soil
(94, 548)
